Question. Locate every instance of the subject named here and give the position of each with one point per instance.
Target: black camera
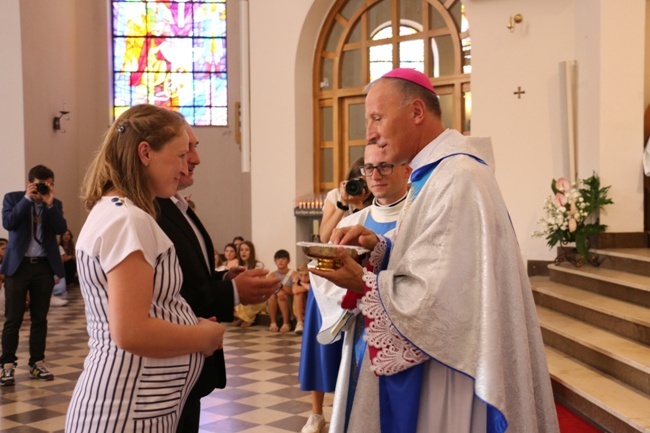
(356, 187)
(42, 188)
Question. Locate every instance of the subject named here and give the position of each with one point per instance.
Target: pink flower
(559, 200)
(562, 184)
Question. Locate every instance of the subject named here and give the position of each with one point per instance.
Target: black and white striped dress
(117, 390)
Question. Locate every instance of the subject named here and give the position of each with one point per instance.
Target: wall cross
(519, 92)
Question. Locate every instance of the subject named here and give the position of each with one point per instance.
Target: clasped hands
(215, 342)
(350, 275)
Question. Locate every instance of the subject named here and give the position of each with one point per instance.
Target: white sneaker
(58, 302)
(315, 424)
(299, 328)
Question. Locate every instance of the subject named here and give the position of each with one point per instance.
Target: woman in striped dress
(146, 345)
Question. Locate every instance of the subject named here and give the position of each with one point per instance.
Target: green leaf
(554, 187)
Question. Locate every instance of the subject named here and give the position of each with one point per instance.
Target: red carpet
(572, 423)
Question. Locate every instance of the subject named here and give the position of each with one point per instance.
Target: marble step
(625, 359)
(609, 282)
(623, 318)
(607, 402)
(632, 260)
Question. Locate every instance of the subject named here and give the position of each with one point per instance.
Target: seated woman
(59, 291)
(219, 265)
(246, 314)
(68, 257)
(230, 253)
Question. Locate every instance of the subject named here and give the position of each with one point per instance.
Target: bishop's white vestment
(452, 304)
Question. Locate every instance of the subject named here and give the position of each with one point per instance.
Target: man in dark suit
(205, 291)
(33, 219)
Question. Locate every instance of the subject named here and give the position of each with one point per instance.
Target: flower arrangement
(572, 213)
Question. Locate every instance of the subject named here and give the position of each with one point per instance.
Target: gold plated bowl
(325, 254)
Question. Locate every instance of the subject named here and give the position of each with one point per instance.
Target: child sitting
(281, 298)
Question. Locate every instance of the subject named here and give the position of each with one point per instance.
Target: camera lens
(42, 188)
(355, 187)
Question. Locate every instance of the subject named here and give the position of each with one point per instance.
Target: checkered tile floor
(262, 395)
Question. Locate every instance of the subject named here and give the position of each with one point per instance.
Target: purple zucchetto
(411, 75)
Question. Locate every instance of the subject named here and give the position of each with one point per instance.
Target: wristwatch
(342, 206)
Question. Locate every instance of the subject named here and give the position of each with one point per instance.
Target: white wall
(606, 38)
(50, 74)
(281, 117)
(529, 134)
(621, 106)
(12, 144)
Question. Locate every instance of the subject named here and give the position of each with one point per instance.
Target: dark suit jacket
(17, 220)
(204, 291)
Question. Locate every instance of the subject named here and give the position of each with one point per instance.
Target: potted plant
(572, 216)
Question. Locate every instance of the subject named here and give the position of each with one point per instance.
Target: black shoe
(7, 374)
(39, 371)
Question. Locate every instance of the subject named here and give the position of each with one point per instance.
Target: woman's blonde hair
(117, 165)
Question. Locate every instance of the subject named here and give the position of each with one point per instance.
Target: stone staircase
(596, 327)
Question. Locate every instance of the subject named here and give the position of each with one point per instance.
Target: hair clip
(121, 129)
(117, 201)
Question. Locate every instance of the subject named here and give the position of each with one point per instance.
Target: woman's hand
(214, 335)
(355, 201)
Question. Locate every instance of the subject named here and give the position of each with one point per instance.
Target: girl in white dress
(146, 345)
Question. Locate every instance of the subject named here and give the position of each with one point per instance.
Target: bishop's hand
(349, 276)
(355, 235)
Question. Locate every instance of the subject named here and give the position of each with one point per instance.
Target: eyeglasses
(384, 169)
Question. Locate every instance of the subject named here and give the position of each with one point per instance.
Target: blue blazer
(17, 220)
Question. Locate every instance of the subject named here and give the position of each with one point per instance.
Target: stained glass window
(173, 54)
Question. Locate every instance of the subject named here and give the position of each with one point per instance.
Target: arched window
(359, 42)
(172, 54)
(381, 56)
